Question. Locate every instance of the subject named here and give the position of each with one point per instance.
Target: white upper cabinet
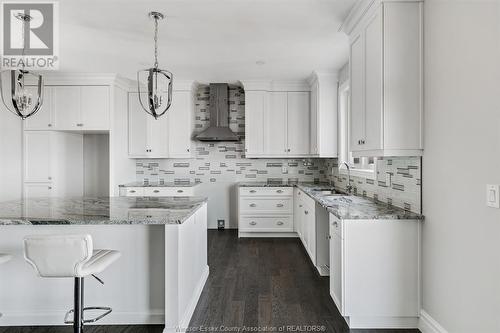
(323, 120)
(386, 80)
(81, 108)
(44, 119)
(277, 123)
(180, 124)
(298, 120)
(166, 137)
(256, 104)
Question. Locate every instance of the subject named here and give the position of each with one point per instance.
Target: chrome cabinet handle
(187, 150)
(131, 191)
(253, 205)
(279, 191)
(253, 223)
(49, 125)
(300, 206)
(50, 187)
(279, 205)
(253, 191)
(180, 191)
(335, 224)
(156, 191)
(288, 149)
(79, 125)
(50, 178)
(149, 216)
(279, 223)
(306, 212)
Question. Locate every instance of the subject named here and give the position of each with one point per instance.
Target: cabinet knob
(50, 187)
(279, 191)
(49, 178)
(253, 191)
(288, 149)
(279, 223)
(253, 223)
(131, 191)
(300, 206)
(180, 191)
(253, 205)
(49, 125)
(156, 191)
(187, 150)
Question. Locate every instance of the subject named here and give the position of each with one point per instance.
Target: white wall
(461, 236)
(10, 156)
(95, 165)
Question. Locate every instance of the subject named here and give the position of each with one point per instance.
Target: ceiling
(205, 40)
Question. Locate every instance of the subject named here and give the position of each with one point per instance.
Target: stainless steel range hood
(219, 116)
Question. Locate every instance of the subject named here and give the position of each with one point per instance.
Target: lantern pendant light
(23, 103)
(158, 82)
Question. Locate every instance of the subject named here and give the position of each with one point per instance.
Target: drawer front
(148, 215)
(266, 191)
(168, 191)
(134, 192)
(269, 206)
(266, 224)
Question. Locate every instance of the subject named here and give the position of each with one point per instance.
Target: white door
(157, 134)
(373, 83)
(67, 104)
(95, 108)
(37, 156)
(137, 127)
(255, 108)
(357, 114)
(179, 125)
(43, 119)
(298, 133)
(275, 125)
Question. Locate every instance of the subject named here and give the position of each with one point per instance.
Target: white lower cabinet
(265, 211)
(375, 272)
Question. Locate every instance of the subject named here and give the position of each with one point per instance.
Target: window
(360, 166)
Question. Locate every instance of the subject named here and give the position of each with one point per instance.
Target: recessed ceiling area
(207, 40)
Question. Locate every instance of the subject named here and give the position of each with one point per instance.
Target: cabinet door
(95, 108)
(336, 268)
(357, 114)
(275, 125)
(158, 135)
(314, 118)
(44, 118)
(137, 127)
(298, 133)
(179, 125)
(373, 83)
(33, 191)
(311, 234)
(37, 156)
(255, 108)
(67, 105)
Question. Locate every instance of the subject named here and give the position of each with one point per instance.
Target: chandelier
(158, 82)
(23, 104)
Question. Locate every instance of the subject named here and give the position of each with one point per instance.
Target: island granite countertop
(99, 210)
(342, 205)
(159, 184)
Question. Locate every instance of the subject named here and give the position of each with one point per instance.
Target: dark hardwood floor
(264, 282)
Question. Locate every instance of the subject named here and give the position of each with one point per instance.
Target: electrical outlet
(284, 169)
(221, 224)
(492, 196)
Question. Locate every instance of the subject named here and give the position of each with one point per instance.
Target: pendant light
(158, 82)
(24, 105)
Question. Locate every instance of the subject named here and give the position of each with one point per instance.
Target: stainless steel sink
(327, 191)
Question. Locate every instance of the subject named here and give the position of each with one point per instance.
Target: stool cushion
(4, 257)
(99, 261)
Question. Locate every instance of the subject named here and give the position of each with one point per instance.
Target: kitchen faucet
(349, 186)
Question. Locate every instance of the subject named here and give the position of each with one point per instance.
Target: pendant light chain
(156, 43)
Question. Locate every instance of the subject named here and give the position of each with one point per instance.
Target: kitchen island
(158, 279)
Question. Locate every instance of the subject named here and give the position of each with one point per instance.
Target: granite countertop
(165, 184)
(99, 210)
(344, 206)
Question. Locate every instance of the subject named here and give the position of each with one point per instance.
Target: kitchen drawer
(266, 191)
(261, 205)
(266, 224)
(134, 191)
(148, 214)
(168, 191)
(336, 225)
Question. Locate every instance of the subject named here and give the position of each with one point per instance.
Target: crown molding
(278, 85)
(323, 77)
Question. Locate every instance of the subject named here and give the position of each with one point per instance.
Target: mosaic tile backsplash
(398, 180)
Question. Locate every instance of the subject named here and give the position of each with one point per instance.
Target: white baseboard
(382, 322)
(56, 318)
(186, 318)
(427, 324)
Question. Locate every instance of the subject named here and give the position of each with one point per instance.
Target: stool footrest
(107, 311)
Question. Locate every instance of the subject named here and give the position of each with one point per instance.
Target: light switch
(492, 196)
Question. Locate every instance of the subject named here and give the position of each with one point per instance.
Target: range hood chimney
(219, 116)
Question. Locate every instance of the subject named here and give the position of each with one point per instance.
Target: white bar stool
(69, 256)
(3, 259)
